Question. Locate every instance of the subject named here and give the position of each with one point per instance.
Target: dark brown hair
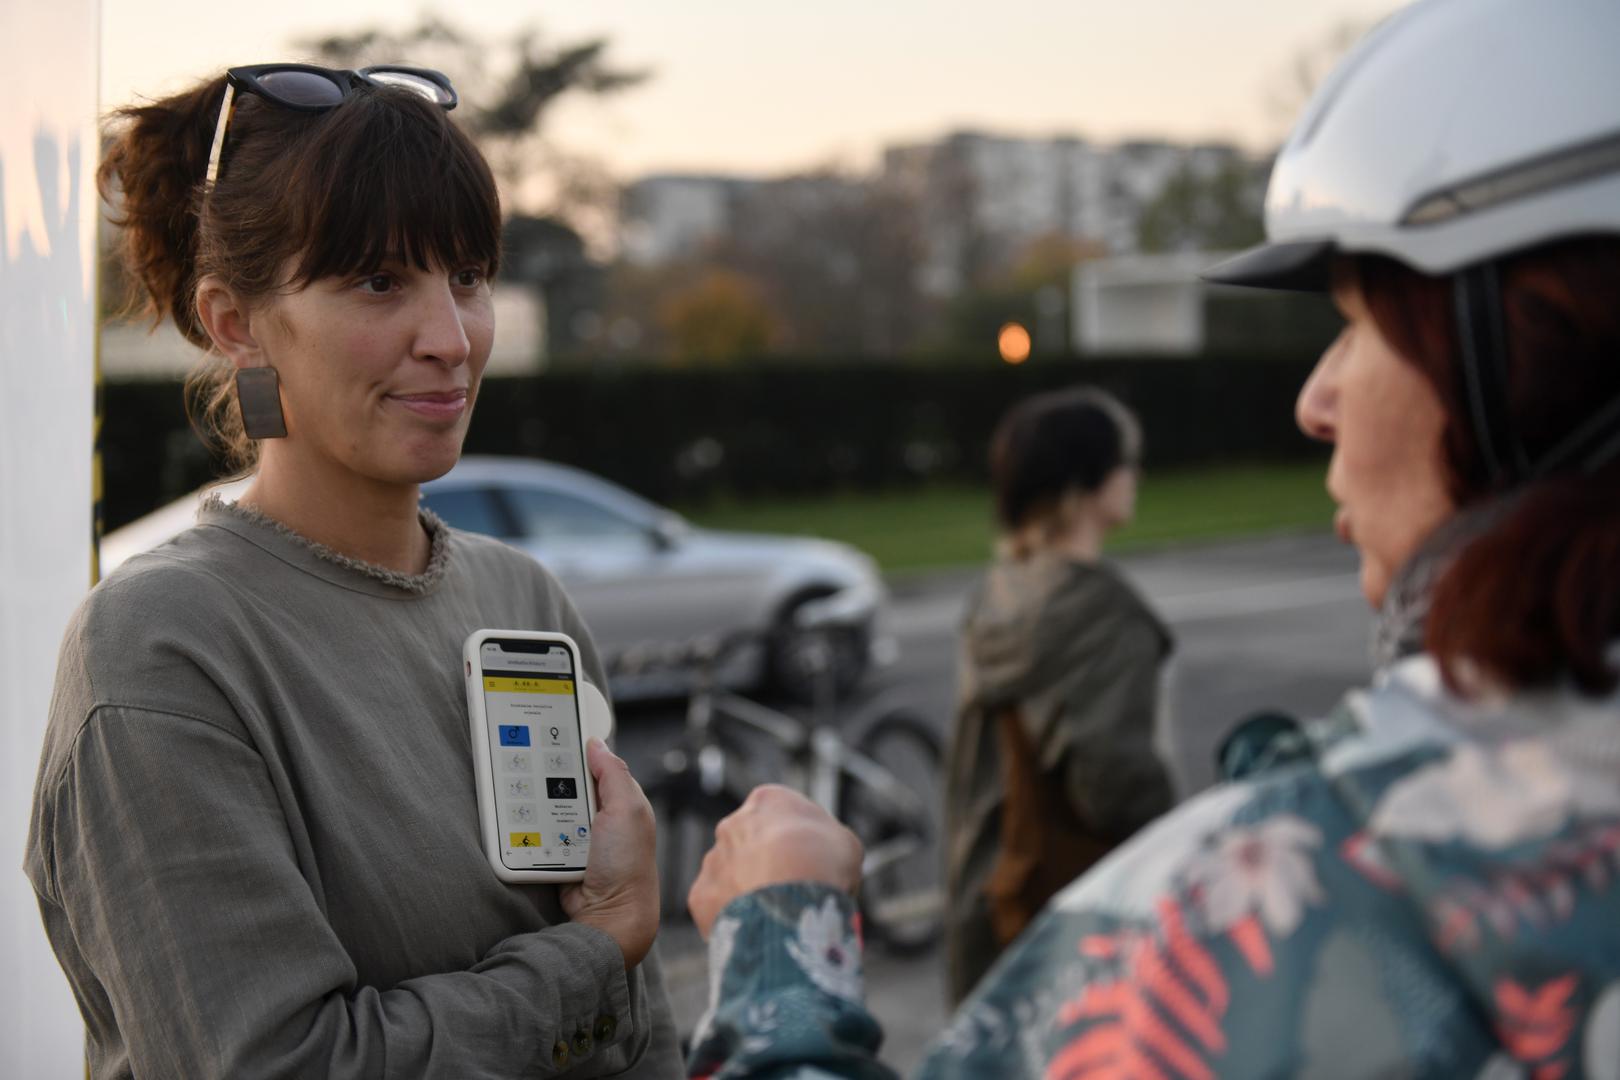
(1537, 597)
(1051, 443)
(385, 174)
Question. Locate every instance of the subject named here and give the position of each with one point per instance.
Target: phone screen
(537, 756)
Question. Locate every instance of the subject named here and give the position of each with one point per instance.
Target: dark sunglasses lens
(301, 87)
(429, 89)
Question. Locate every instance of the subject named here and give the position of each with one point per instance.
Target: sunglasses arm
(227, 106)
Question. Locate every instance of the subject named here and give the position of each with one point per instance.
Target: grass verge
(942, 527)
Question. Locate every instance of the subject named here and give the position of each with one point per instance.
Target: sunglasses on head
(312, 89)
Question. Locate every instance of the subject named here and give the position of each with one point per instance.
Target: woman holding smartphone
(1424, 883)
(255, 839)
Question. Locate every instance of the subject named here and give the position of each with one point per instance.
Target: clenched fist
(776, 836)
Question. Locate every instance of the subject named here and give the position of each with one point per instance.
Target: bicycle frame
(818, 757)
(719, 760)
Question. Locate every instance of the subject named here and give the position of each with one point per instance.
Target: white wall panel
(49, 58)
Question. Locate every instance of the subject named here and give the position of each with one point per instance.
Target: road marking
(928, 616)
(1244, 600)
(939, 613)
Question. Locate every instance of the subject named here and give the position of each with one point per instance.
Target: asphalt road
(1277, 624)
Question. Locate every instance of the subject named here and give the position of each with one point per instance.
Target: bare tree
(838, 258)
(720, 316)
(507, 90)
(1215, 211)
(1290, 89)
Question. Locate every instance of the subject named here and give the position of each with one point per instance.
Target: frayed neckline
(426, 581)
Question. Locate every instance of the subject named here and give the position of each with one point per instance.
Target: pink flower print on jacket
(1257, 878)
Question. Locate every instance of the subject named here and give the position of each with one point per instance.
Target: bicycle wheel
(891, 796)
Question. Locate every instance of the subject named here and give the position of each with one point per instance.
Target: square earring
(258, 393)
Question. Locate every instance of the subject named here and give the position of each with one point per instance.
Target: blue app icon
(514, 735)
(583, 830)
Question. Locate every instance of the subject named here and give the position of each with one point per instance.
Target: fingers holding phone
(619, 894)
(555, 805)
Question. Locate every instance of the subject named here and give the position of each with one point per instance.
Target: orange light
(1013, 341)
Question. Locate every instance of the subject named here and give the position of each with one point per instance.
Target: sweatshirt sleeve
(785, 990)
(171, 866)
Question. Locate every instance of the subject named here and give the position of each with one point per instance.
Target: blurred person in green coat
(1051, 762)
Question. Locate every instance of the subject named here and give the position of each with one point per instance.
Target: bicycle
(885, 786)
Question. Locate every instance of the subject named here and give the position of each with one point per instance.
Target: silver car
(640, 574)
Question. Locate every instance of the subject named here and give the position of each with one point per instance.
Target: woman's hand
(620, 892)
(776, 836)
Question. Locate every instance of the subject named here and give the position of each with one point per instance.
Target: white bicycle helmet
(1457, 132)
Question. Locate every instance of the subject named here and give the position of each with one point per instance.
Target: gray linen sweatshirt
(255, 835)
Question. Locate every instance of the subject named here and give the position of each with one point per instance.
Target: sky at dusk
(765, 86)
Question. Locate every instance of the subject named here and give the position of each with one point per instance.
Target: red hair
(1536, 598)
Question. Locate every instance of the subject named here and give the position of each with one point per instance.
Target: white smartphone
(530, 714)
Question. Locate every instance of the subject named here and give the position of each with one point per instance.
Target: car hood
(762, 557)
(742, 551)
(770, 548)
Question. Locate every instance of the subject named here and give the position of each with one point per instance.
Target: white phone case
(596, 719)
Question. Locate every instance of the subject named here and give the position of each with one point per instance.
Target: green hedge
(776, 428)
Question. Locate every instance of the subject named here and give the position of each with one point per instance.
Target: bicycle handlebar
(851, 608)
(848, 608)
(705, 651)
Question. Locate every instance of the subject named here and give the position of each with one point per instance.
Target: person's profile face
(1386, 424)
(1116, 499)
(380, 371)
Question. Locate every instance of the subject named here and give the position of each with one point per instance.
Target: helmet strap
(1589, 447)
(1482, 339)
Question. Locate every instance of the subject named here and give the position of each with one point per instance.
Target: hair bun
(152, 173)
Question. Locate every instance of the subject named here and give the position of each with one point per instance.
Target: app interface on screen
(537, 756)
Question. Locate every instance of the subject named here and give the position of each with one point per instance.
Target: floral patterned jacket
(1414, 887)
